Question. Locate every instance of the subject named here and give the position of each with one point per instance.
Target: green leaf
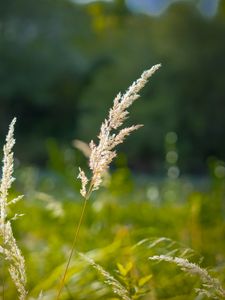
(124, 270)
(142, 281)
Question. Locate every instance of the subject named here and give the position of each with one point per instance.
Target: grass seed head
(102, 154)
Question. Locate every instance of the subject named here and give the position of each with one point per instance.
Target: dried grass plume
(111, 281)
(211, 287)
(101, 155)
(9, 249)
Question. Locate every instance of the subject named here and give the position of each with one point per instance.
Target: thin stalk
(101, 155)
(76, 233)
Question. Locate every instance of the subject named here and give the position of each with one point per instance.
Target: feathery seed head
(10, 250)
(84, 182)
(83, 147)
(210, 286)
(7, 169)
(111, 281)
(102, 154)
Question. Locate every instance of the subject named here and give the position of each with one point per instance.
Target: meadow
(127, 221)
(139, 237)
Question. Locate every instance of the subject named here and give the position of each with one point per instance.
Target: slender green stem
(77, 230)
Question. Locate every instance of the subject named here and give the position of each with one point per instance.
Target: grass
(127, 226)
(116, 220)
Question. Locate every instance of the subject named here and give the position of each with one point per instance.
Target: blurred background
(63, 62)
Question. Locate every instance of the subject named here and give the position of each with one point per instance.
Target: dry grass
(101, 155)
(10, 250)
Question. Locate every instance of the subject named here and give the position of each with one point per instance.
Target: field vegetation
(138, 240)
(138, 213)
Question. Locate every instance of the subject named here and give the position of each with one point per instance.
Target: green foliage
(120, 232)
(63, 62)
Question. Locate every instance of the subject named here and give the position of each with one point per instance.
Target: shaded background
(62, 63)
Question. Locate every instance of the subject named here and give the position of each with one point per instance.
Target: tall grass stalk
(102, 154)
(10, 250)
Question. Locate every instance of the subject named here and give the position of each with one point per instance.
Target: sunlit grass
(116, 220)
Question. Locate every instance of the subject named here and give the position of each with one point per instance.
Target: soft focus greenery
(126, 221)
(63, 63)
